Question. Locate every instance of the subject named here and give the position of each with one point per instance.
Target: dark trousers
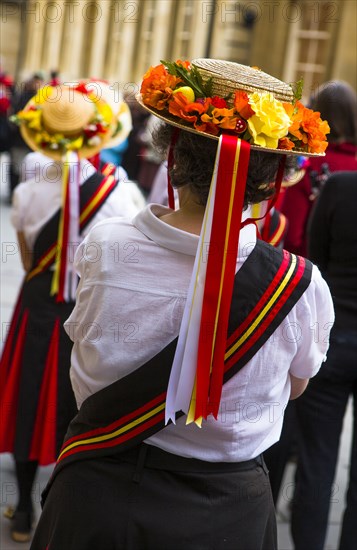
(152, 500)
(320, 413)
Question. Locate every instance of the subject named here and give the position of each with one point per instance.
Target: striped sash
(274, 228)
(132, 409)
(93, 193)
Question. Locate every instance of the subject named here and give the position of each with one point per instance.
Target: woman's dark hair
(337, 102)
(194, 158)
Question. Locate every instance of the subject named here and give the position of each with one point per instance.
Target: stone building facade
(118, 39)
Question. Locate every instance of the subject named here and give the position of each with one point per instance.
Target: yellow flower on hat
(28, 115)
(103, 109)
(35, 122)
(75, 144)
(42, 95)
(270, 121)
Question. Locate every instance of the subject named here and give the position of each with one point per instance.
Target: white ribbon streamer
(183, 372)
(70, 285)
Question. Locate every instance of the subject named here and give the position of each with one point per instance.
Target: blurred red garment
(4, 104)
(299, 199)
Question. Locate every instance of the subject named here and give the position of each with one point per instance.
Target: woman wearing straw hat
(52, 211)
(205, 332)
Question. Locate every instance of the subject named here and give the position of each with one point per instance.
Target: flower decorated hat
(67, 123)
(66, 118)
(211, 96)
(242, 108)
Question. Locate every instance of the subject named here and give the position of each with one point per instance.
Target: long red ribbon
(220, 273)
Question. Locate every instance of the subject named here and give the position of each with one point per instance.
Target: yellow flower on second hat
(103, 109)
(43, 94)
(270, 121)
(75, 144)
(42, 137)
(28, 115)
(34, 122)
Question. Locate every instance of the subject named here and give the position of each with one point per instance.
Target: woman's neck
(189, 216)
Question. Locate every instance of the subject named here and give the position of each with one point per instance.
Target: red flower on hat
(219, 102)
(81, 87)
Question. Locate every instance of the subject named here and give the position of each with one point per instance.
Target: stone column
(34, 26)
(54, 16)
(155, 35)
(100, 36)
(72, 41)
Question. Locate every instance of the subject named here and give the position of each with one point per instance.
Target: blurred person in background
(149, 160)
(337, 103)
(55, 79)
(321, 409)
(18, 146)
(6, 91)
(131, 158)
(62, 198)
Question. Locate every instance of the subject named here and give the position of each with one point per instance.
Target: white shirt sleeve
(316, 316)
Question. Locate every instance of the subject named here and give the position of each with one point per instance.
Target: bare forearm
(26, 253)
(298, 386)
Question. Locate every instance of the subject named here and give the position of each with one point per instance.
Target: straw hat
(212, 96)
(66, 118)
(121, 110)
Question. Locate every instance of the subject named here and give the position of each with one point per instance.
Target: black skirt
(154, 500)
(36, 398)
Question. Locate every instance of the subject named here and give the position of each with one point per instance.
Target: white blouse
(39, 196)
(130, 301)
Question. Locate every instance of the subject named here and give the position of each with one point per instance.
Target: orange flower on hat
(178, 106)
(157, 86)
(316, 130)
(181, 107)
(224, 118)
(185, 64)
(208, 128)
(286, 144)
(307, 127)
(295, 113)
(241, 104)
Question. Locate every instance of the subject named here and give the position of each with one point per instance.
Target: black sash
(132, 409)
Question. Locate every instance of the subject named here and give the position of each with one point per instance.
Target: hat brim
(294, 179)
(126, 126)
(174, 121)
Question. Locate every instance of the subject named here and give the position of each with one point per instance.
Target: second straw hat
(66, 118)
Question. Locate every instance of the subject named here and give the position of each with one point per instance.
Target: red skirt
(36, 398)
